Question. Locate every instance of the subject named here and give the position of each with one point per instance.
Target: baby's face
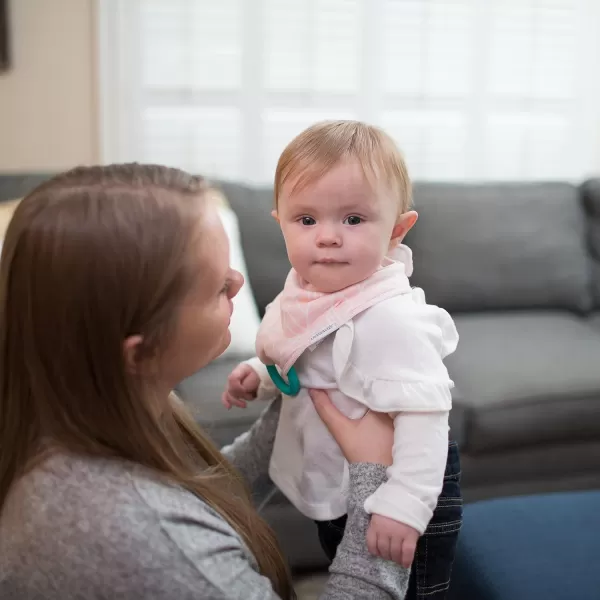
(338, 229)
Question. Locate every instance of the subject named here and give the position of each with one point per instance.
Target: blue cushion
(531, 547)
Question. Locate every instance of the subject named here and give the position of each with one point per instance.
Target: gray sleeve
(250, 452)
(127, 534)
(355, 573)
(208, 560)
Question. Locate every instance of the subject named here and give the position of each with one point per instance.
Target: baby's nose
(328, 236)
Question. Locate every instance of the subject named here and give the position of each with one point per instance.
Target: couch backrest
(476, 247)
(262, 241)
(590, 191)
(501, 246)
(17, 185)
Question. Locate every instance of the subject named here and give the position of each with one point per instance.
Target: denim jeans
(432, 566)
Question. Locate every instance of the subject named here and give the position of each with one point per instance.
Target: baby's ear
(403, 226)
(274, 215)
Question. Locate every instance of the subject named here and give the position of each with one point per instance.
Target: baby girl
(348, 322)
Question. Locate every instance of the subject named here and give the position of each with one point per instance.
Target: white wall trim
(118, 113)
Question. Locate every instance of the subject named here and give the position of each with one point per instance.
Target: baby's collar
(401, 254)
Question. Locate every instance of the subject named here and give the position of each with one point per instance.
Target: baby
(348, 321)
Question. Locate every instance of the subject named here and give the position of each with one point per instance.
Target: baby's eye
(308, 221)
(353, 220)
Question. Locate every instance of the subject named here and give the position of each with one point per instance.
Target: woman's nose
(237, 281)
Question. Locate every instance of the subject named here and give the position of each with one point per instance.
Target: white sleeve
(416, 476)
(267, 390)
(395, 363)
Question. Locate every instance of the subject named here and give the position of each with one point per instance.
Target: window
(470, 89)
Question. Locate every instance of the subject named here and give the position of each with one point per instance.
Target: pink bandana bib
(299, 318)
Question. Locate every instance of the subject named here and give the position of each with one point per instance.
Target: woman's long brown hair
(91, 257)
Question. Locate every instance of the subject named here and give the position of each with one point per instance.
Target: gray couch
(518, 266)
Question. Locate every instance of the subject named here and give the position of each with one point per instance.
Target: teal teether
(292, 387)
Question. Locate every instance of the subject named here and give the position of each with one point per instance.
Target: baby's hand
(242, 385)
(392, 540)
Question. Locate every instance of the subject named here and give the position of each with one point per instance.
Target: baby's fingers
(384, 546)
(250, 382)
(225, 400)
(236, 389)
(372, 540)
(396, 546)
(240, 393)
(229, 401)
(408, 552)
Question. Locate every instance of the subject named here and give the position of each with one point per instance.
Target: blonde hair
(91, 257)
(316, 150)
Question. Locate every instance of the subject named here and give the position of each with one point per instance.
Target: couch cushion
(18, 185)
(590, 191)
(525, 379)
(202, 393)
(596, 283)
(499, 246)
(531, 548)
(262, 241)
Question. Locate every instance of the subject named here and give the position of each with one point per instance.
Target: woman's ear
(131, 351)
(403, 226)
(275, 215)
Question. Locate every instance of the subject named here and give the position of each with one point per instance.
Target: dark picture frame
(4, 37)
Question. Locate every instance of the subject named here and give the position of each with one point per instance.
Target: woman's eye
(307, 221)
(352, 220)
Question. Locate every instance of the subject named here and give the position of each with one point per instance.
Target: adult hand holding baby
(370, 439)
(366, 440)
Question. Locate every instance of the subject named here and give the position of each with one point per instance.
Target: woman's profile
(115, 285)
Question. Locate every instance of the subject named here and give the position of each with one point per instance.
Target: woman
(114, 286)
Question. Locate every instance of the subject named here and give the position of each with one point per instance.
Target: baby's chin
(328, 283)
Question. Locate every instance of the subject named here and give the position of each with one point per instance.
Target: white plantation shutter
(470, 89)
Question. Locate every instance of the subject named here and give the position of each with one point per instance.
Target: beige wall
(48, 113)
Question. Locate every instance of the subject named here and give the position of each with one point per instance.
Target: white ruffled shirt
(388, 358)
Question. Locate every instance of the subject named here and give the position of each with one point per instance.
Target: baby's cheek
(371, 248)
(298, 254)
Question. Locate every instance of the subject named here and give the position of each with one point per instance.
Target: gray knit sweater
(92, 529)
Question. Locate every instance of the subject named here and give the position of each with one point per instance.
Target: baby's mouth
(331, 261)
